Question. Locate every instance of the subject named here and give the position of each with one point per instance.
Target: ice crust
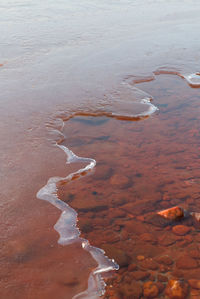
(66, 226)
(192, 79)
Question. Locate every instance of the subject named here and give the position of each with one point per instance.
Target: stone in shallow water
(120, 181)
(176, 289)
(132, 267)
(149, 263)
(165, 260)
(194, 283)
(173, 213)
(147, 251)
(147, 237)
(186, 262)
(131, 290)
(150, 289)
(181, 230)
(195, 253)
(140, 275)
(162, 278)
(167, 239)
(160, 286)
(140, 257)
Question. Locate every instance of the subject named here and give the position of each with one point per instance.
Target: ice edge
(67, 228)
(66, 225)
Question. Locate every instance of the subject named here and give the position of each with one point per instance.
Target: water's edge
(66, 225)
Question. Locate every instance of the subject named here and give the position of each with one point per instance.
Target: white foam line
(67, 228)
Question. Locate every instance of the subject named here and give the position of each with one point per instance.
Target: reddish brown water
(142, 167)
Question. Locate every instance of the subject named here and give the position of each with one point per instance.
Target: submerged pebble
(176, 289)
(181, 230)
(173, 213)
(121, 181)
(140, 275)
(186, 262)
(150, 289)
(131, 290)
(194, 283)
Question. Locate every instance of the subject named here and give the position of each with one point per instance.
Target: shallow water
(101, 69)
(142, 168)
